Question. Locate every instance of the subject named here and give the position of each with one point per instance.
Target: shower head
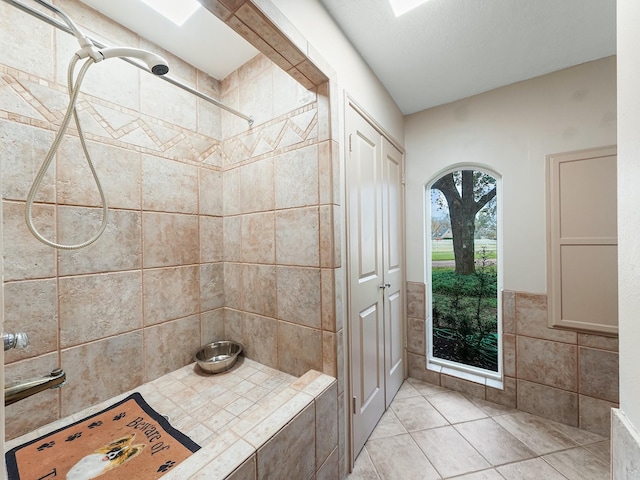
(156, 63)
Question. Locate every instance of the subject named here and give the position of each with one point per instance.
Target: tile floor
(432, 433)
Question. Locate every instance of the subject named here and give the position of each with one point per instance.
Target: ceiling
(445, 50)
(204, 41)
(439, 52)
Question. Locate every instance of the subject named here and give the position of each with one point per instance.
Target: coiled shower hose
(74, 90)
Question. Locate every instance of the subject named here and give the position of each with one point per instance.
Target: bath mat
(128, 440)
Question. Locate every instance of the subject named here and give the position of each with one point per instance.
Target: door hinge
(404, 178)
(354, 405)
(350, 147)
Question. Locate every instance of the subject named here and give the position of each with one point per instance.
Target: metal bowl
(218, 356)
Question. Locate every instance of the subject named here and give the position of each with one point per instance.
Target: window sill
(471, 374)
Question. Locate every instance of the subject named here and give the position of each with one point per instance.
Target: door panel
(392, 226)
(366, 327)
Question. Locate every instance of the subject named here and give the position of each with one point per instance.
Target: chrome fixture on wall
(15, 340)
(14, 392)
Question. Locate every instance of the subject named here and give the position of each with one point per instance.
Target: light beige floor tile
(363, 468)
(416, 413)
(493, 442)
(578, 464)
(427, 389)
(449, 452)
(388, 426)
(490, 408)
(534, 469)
(407, 390)
(483, 475)
(400, 458)
(581, 437)
(535, 432)
(602, 450)
(456, 408)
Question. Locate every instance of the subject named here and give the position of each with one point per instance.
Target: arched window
(463, 255)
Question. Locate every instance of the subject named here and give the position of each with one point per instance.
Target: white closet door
(393, 261)
(366, 277)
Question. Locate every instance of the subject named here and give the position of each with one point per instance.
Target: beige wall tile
(330, 469)
(98, 306)
(31, 307)
(299, 349)
(299, 295)
(233, 285)
(508, 311)
(211, 239)
(297, 239)
(329, 353)
(415, 336)
(246, 471)
(507, 396)
(260, 337)
(598, 341)
(169, 186)
(296, 178)
(212, 286)
(232, 193)
(170, 346)
(258, 238)
(531, 319)
(325, 172)
(118, 169)
(288, 94)
(212, 326)
(35, 37)
(295, 440)
(233, 325)
(328, 299)
(24, 256)
(38, 410)
(548, 402)
(119, 247)
(464, 386)
(327, 250)
(256, 186)
(326, 423)
(169, 239)
(595, 415)
(259, 287)
(598, 374)
(121, 355)
(209, 116)
(170, 293)
(177, 106)
(548, 363)
(232, 231)
(112, 80)
(417, 365)
(416, 306)
(509, 354)
(210, 192)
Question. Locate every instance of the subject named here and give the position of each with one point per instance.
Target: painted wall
(628, 211)
(510, 130)
(353, 74)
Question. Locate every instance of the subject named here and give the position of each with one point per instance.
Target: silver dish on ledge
(218, 356)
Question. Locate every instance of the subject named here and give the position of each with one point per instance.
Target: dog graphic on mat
(106, 458)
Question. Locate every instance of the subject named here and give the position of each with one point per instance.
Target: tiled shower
(215, 230)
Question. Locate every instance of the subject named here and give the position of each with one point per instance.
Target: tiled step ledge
(230, 415)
